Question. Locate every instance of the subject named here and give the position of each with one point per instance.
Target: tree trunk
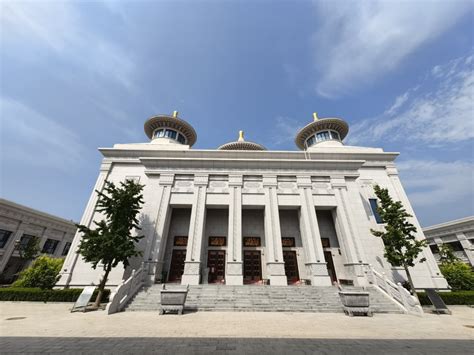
(410, 281)
(100, 291)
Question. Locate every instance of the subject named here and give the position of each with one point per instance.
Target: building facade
(241, 214)
(19, 224)
(458, 234)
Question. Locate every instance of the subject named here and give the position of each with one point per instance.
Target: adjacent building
(458, 234)
(19, 224)
(241, 214)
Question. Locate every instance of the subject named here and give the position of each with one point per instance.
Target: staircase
(251, 298)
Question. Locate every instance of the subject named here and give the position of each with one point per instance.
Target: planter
(355, 303)
(173, 300)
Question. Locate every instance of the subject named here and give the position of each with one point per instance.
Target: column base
(356, 272)
(233, 274)
(276, 274)
(191, 275)
(318, 274)
(234, 280)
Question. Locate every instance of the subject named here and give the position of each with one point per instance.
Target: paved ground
(39, 327)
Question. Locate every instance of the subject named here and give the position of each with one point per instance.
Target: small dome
(322, 125)
(241, 144)
(171, 122)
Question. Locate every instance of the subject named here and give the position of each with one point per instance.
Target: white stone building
(241, 214)
(18, 224)
(458, 234)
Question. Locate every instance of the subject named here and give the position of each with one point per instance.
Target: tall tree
(401, 246)
(446, 255)
(112, 241)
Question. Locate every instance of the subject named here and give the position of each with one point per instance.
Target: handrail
(395, 291)
(126, 290)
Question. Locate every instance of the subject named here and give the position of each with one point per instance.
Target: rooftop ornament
(241, 144)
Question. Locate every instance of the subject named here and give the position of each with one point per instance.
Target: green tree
(42, 273)
(112, 242)
(458, 275)
(401, 246)
(446, 255)
(31, 250)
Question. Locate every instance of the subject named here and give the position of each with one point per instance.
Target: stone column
(274, 250)
(61, 245)
(234, 275)
(311, 238)
(155, 251)
(87, 218)
(10, 249)
(467, 246)
(192, 265)
(347, 232)
(438, 280)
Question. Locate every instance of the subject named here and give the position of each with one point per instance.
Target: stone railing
(397, 292)
(126, 290)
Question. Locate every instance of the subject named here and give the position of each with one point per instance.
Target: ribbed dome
(176, 123)
(241, 144)
(335, 124)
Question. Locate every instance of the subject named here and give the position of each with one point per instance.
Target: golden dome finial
(241, 136)
(315, 116)
(175, 114)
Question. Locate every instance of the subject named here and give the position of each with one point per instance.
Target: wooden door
(330, 266)
(252, 266)
(291, 266)
(177, 265)
(216, 265)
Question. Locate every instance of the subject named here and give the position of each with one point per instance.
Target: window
(24, 240)
(335, 135)
(434, 248)
(4, 236)
(170, 134)
(159, 133)
(66, 249)
(456, 246)
(322, 136)
(50, 246)
(181, 139)
(373, 205)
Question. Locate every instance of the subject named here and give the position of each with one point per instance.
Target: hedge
(453, 298)
(38, 295)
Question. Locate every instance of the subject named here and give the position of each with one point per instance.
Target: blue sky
(80, 75)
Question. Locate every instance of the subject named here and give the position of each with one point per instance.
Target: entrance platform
(261, 298)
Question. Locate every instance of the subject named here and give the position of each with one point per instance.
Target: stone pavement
(39, 327)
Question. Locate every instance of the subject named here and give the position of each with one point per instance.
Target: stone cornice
(451, 227)
(131, 155)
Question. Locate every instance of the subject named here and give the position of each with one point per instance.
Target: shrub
(450, 298)
(459, 276)
(39, 295)
(43, 273)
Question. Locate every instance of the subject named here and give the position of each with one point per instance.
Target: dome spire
(241, 136)
(315, 116)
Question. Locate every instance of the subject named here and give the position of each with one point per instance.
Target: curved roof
(242, 146)
(335, 124)
(171, 122)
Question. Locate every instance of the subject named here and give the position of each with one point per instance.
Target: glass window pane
(4, 236)
(159, 133)
(170, 134)
(373, 206)
(181, 139)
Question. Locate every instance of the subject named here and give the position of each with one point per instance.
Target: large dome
(171, 122)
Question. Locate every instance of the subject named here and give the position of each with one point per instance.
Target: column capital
(235, 180)
(166, 179)
(391, 169)
(338, 181)
(201, 179)
(270, 181)
(106, 165)
(304, 182)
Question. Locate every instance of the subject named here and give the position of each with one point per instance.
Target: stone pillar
(274, 250)
(315, 262)
(437, 278)
(192, 265)
(87, 218)
(347, 233)
(467, 246)
(155, 251)
(10, 248)
(234, 275)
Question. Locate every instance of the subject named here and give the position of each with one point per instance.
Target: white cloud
(357, 41)
(441, 113)
(284, 130)
(432, 182)
(59, 27)
(28, 137)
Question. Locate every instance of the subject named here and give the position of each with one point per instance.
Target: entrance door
(252, 266)
(291, 266)
(177, 265)
(216, 265)
(330, 266)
